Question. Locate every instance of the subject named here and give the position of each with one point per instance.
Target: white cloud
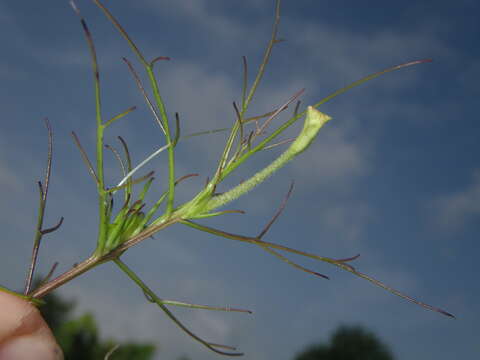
(458, 208)
(196, 13)
(347, 54)
(9, 181)
(347, 220)
(202, 98)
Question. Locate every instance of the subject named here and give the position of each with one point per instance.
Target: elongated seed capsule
(314, 120)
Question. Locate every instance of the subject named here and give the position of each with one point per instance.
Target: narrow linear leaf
(158, 301)
(119, 116)
(340, 264)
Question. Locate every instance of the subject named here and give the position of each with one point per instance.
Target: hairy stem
(96, 260)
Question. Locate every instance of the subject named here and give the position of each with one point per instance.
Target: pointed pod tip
(321, 275)
(447, 314)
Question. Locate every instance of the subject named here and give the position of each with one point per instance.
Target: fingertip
(30, 347)
(24, 334)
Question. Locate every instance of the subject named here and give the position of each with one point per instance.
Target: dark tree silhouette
(348, 343)
(79, 337)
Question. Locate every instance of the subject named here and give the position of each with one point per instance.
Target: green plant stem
(161, 304)
(71, 274)
(246, 100)
(102, 194)
(96, 259)
(171, 150)
(102, 200)
(266, 58)
(203, 307)
(160, 104)
(36, 242)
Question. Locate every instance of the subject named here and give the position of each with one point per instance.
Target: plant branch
(339, 263)
(96, 260)
(231, 167)
(154, 298)
(119, 116)
(102, 194)
(43, 190)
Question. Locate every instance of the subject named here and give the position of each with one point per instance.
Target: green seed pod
(314, 121)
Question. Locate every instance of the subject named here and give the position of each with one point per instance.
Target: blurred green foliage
(79, 337)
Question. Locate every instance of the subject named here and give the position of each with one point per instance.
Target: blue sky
(394, 176)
